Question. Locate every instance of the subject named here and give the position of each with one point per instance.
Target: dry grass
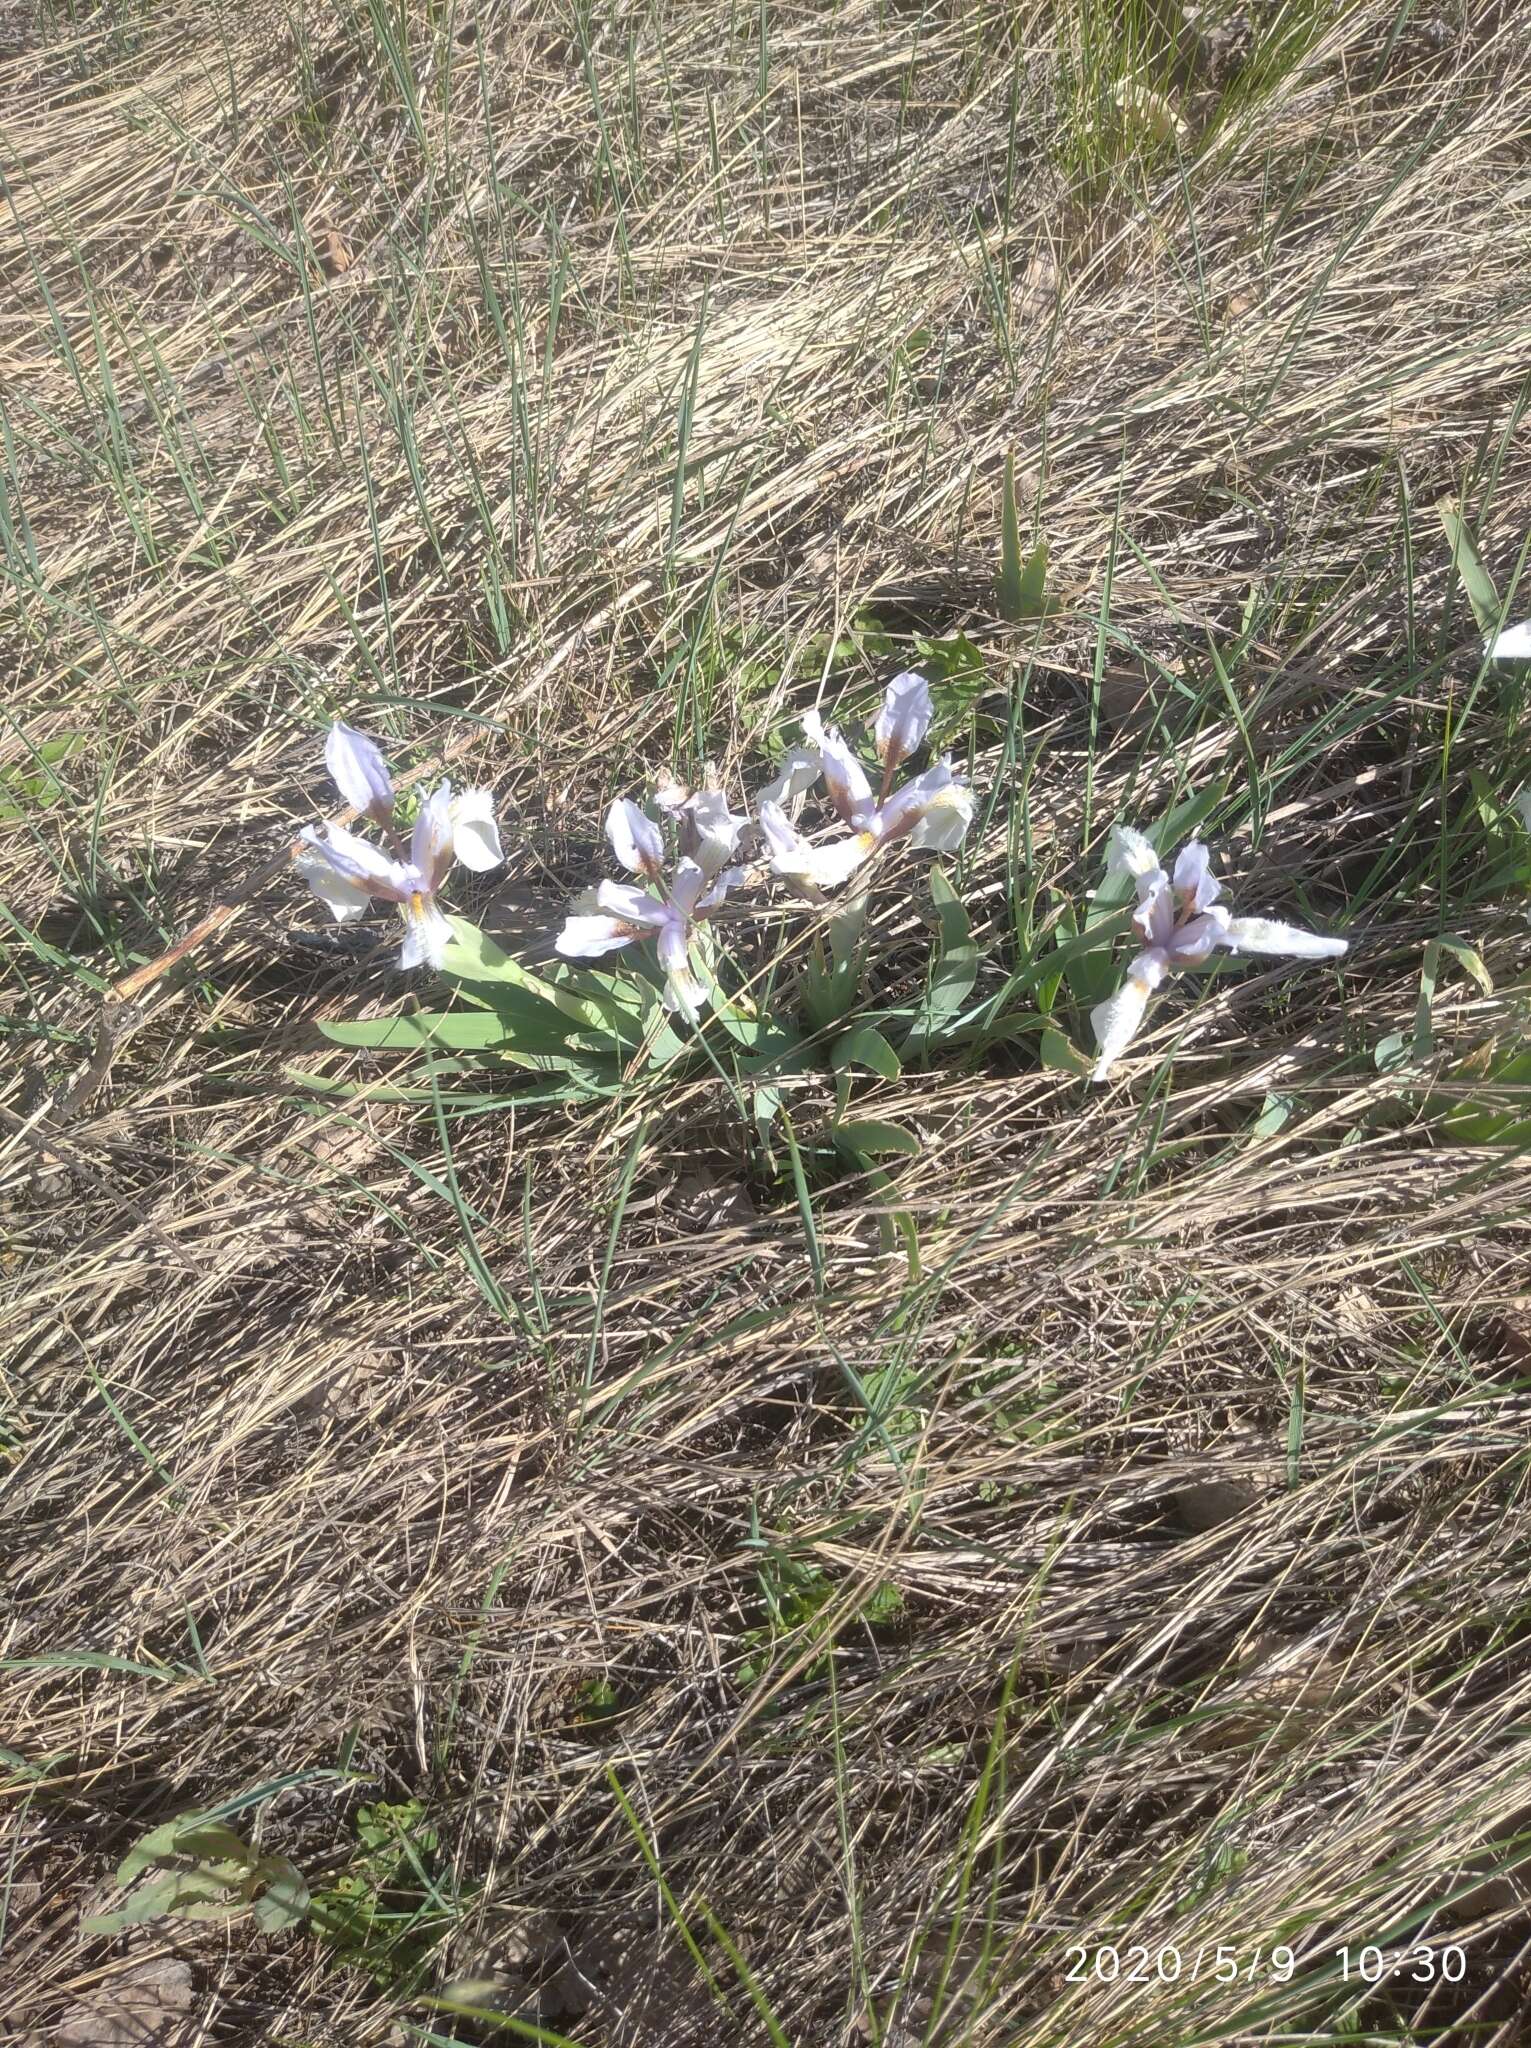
(345, 371)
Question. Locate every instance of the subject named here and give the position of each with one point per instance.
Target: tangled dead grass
(549, 388)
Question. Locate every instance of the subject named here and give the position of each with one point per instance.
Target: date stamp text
(1225, 1963)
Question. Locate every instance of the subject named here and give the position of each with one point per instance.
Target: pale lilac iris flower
(708, 831)
(668, 912)
(931, 810)
(1183, 922)
(347, 873)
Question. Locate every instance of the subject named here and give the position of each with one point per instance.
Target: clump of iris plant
(933, 809)
(1180, 917)
(668, 904)
(670, 909)
(348, 873)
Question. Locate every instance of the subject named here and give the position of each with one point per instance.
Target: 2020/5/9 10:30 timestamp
(1226, 1963)
(1421, 1964)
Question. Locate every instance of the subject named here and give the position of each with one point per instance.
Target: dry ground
(546, 386)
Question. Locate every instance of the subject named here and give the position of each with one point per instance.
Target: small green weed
(386, 1913)
(195, 1868)
(797, 1598)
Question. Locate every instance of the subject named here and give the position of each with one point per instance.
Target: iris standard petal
(686, 889)
(903, 720)
(359, 772)
(430, 841)
(712, 828)
(1285, 941)
(1155, 914)
(587, 938)
(634, 839)
(1195, 884)
(844, 777)
(475, 836)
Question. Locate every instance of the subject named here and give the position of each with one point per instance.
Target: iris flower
(931, 810)
(667, 912)
(707, 829)
(346, 872)
(1180, 917)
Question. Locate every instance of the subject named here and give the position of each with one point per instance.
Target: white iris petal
(475, 835)
(359, 772)
(904, 718)
(1513, 644)
(634, 838)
